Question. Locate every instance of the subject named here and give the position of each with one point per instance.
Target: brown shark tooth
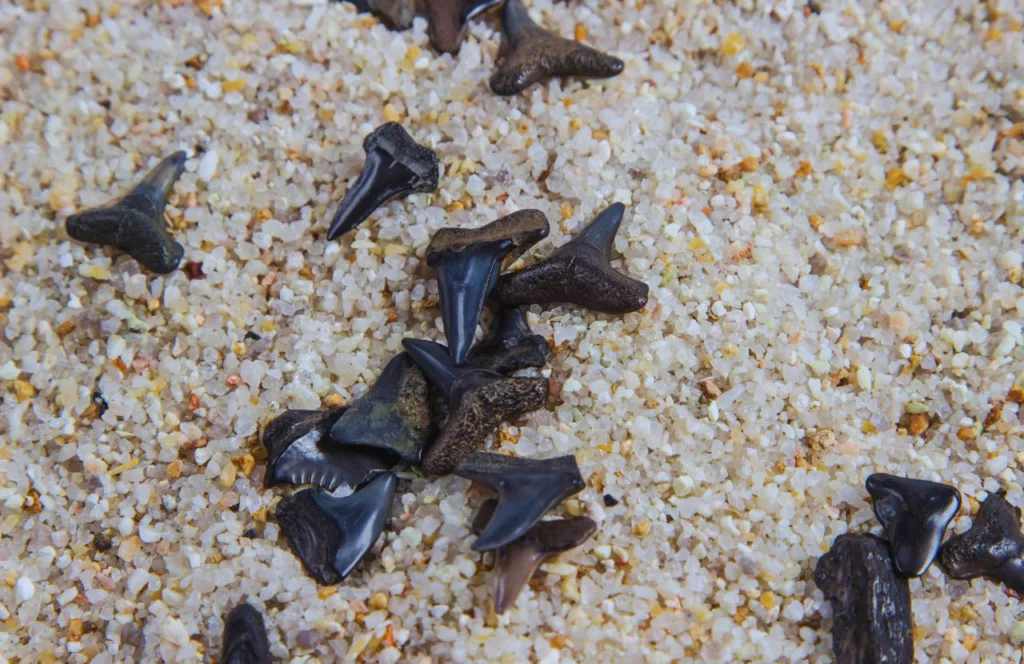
(478, 401)
(579, 272)
(245, 637)
(511, 345)
(517, 562)
(530, 54)
(448, 20)
(993, 547)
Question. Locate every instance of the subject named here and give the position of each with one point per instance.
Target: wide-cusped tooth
(245, 637)
(871, 615)
(527, 490)
(511, 345)
(517, 562)
(578, 272)
(915, 514)
(530, 54)
(135, 224)
(993, 547)
(394, 415)
(395, 165)
(478, 402)
(297, 453)
(331, 535)
(468, 262)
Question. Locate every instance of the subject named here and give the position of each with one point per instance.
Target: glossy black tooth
(993, 547)
(245, 637)
(478, 402)
(530, 54)
(135, 224)
(331, 535)
(468, 262)
(527, 490)
(578, 272)
(395, 164)
(872, 620)
(914, 514)
(511, 345)
(393, 415)
(297, 453)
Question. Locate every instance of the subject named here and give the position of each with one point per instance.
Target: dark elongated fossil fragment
(468, 262)
(395, 165)
(517, 562)
(579, 272)
(478, 401)
(527, 490)
(510, 346)
(135, 224)
(530, 54)
(993, 547)
(914, 514)
(331, 535)
(245, 637)
(298, 452)
(871, 617)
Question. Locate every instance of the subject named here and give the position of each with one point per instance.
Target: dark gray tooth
(993, 547)
(245, 637)
(578, 272)
(527, 490)
(394, 415)
(511, 345)
(872, 620)
(331, 535)
(468, 262)
(914, 514)
(135, 224)
(478, 401)
(297, 453)
(530, 54)
(395, 165)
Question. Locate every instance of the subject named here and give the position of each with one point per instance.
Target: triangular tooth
(244, 639)
(511, 344)
(993, 547)
(600, 233)
(157, 185)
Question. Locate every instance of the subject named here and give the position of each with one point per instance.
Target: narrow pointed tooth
(244, 640)
(156, 186)
(600, 233)
(510, 346)
(434, 361)
(527, 490)
(993, 547)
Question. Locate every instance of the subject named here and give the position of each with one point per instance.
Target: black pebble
(610, 500)
(252, 336)
(251, 533)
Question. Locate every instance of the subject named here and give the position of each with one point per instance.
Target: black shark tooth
(511, 345)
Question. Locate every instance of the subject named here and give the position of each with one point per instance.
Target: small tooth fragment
(527, 490)
(579, 272)
(468, 262)
(511, 345)
(914, 514)
(872, 621)
(395, 165)
(477, 400)
(135, 224)
(331, 535)
(245, 637)
(993, 547)
(529, 54)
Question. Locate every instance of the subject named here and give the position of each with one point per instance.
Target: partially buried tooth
(517, 562)
(468, 262)
(511, 345)
(331, 535)
(993, 547)
(448, 19)
(393, 415)
(395, 165)
(478, 401)
(298, 453)
(527, 490)
(579, 272)
(530, 54)
(245, 637)
(135, 224)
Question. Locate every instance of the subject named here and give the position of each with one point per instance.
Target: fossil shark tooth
(527, 490)
(395, 165)
(245, 637)
(478, 401)
(393, 415)
(579, 272)
(468, 262)
(330, 535)
(511, 345)
(448, 21)
(297, 452)
(993, 547)
(135, 223)
(914, 514)
(530, 54)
